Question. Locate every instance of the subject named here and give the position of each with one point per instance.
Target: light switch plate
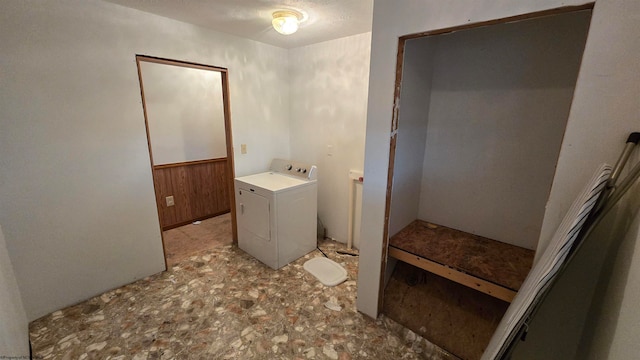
(169, 200)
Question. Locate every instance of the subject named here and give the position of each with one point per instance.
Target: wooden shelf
(492, 267)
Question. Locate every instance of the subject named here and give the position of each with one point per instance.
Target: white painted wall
(328, 110)
(625, 337)
(14, 331)
(612, 330)
(584, 307)
(604, 110)
(185, 112)
(499, 104)
(78, 208)
(591, 312)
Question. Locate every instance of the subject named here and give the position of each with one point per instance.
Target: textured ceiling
(327, 19)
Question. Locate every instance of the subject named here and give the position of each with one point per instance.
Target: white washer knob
(288, 167)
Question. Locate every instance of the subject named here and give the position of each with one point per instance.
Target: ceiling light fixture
(286, 22)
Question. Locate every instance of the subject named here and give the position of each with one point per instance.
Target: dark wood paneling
(199, 190)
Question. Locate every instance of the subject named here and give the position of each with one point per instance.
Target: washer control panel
(293, 168)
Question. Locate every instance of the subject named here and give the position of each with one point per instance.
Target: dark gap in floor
(452, 316)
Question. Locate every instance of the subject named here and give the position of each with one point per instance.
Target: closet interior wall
(481, 120)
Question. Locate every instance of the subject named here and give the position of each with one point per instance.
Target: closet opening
(187, 117)
(480, 113)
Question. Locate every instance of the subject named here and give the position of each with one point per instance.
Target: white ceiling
(327, 19)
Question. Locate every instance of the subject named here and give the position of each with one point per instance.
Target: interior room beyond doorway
(186, 112)
(188, 240)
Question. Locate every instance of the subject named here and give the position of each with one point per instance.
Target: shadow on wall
(14, 332)
(581, 316)
(606, 306)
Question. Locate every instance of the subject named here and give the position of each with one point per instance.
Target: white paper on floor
(332, 306)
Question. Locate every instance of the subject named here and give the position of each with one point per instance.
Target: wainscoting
(200, 189)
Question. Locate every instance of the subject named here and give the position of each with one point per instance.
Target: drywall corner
(14, 327)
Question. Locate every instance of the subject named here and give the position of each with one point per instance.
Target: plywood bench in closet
(479, 119)
(492, 267)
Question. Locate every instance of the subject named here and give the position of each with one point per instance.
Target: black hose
(325, 255)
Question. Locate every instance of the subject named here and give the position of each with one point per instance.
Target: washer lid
(273, 181)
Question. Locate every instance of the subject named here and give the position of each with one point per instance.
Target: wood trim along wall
(193, 65)
(392, 158)
(230, 160)
(396, 106)
(195, 219)
(146, 126)
(187, 163)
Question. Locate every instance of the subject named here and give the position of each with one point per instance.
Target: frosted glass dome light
(286, 22)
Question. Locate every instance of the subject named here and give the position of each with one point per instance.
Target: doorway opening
(479, 118)
(187, 118)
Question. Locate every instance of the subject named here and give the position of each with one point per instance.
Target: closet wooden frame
(227, 129)
(421, 262)
(447, 272)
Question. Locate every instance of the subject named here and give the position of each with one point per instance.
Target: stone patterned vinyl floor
(224, 304)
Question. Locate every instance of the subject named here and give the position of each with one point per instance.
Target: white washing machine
(277, 212)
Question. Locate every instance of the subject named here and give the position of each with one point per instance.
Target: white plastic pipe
(354, 178)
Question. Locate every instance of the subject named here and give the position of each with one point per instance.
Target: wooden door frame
(396, 107)
(227, 128)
